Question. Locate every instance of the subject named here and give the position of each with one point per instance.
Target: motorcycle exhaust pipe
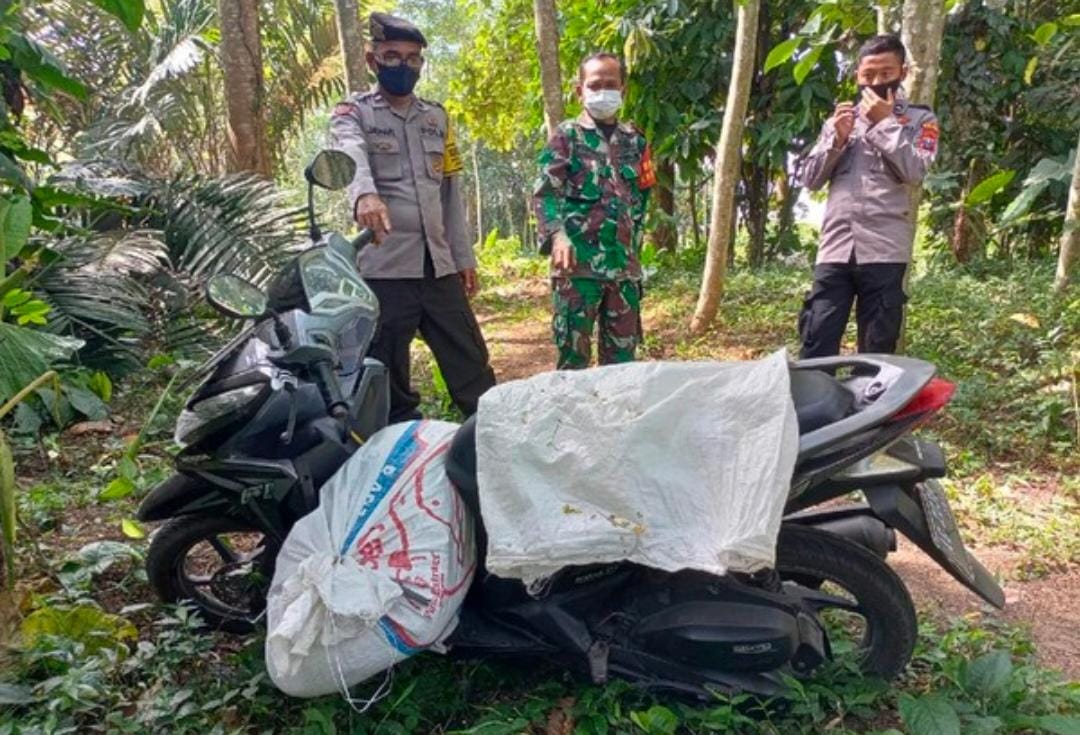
(866, 531)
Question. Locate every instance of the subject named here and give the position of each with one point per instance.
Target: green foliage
(781, 52)
(84, 625)
(16, 212)
(989, 186)
(993, 511)
(982, 681)
(502, 259)
(183, 684)
(130, 12)
(1010, 347)
(7, 474)
(486, 93)
(929, 714)
(1046, 172)
(1001, 106)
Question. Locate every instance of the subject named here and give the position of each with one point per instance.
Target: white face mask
(602, 104)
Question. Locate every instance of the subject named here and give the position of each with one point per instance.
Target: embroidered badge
(928, 138)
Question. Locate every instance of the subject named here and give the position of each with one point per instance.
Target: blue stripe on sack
(395, 464)
(395, 640)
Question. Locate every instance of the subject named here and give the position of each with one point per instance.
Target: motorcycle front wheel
(864, 606)
(223, 566)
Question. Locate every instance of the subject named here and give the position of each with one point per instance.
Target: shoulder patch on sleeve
(647, 179)
(343, 108)
(928, 137)
(452, 163)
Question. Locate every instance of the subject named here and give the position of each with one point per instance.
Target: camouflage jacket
(595, 190)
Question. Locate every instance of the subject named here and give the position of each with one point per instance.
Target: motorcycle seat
(819, 399)
(461, 465)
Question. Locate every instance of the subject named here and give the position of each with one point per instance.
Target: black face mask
(881, 90)
(398, 80)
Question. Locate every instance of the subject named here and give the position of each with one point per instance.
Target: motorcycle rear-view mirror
(234, 296)
(331, 169)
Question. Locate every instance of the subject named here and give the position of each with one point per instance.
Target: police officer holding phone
(873, 153)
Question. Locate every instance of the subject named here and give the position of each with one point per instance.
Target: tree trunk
(526, 219)
(241, 61)
(728, 152)
(547, 46)
(961, 240)
(789, 195)
(479, 194)
(921, 31)
(1070, 236)
(924, 23)
(923, 26)
(694, 212)
(756, 174)
(665, 236)
(888, 17)
(508, 215)
(756, 184)
(351, 40)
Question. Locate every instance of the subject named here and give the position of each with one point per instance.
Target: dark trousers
(439, 309)
(878, 292)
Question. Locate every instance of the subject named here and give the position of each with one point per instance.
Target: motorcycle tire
(175, 545)
(890, 621)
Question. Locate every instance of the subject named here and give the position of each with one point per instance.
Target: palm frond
(97, 286)
(136, 285)
(102, 178)
(305, 70)
(178, 44)
(238, 224)
(159, 112)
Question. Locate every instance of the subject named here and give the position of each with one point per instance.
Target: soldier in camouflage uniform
(590, 204)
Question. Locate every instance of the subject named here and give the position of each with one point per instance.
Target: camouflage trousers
(582, 305)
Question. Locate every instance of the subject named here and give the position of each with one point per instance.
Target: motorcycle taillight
(931, 399)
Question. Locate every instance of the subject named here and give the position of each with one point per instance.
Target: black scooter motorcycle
(292, 397)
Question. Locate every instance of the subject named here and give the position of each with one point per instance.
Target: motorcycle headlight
(199, 415)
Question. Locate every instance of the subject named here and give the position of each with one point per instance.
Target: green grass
(174, 679)
(1012, 348)
(1046, 531)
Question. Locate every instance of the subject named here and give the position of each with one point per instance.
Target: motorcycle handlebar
(365, 238)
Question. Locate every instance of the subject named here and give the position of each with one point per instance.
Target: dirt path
(1048, 606)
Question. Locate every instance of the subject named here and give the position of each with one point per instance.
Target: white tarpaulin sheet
(377, 572)
(672, 465)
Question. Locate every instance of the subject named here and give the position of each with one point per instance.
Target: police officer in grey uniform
(872, 156)
(408, 189)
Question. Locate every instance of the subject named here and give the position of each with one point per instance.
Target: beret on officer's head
(386, 27)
